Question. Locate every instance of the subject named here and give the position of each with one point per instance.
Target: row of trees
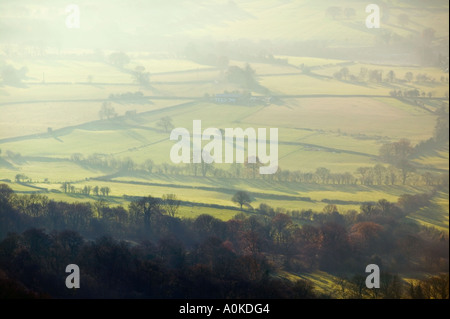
(398, 156)
(364, 75)
(245, 250)
(20, 178)
(399, 171)
(67, 187)
(405, 205)
(411, 93)
(376, 75)
(128, 97)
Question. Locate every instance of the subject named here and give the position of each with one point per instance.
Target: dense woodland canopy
(143, 252)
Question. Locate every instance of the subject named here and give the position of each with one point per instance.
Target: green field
(312, 134)
(338, 124)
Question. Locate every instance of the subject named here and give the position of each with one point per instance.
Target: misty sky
(158, 25)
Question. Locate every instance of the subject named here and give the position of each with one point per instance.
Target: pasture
(338, 133)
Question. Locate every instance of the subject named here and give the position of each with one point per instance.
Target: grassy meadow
(312, 133)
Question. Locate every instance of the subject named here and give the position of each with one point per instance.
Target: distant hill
(414, 30)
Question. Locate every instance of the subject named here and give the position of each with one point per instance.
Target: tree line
(376, 75)
(67, 187)
(397, 171)
(143, 251)
(398, 156)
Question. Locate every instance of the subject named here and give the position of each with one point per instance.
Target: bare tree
(107, 111)
(165, 123)
(171, 204)
(391, 76)
(21, 178)
(141, 76)
(409, 76)
(241, 198)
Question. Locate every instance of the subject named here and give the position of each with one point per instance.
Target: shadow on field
(58, 139)
(8, 165)
(108, 199)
